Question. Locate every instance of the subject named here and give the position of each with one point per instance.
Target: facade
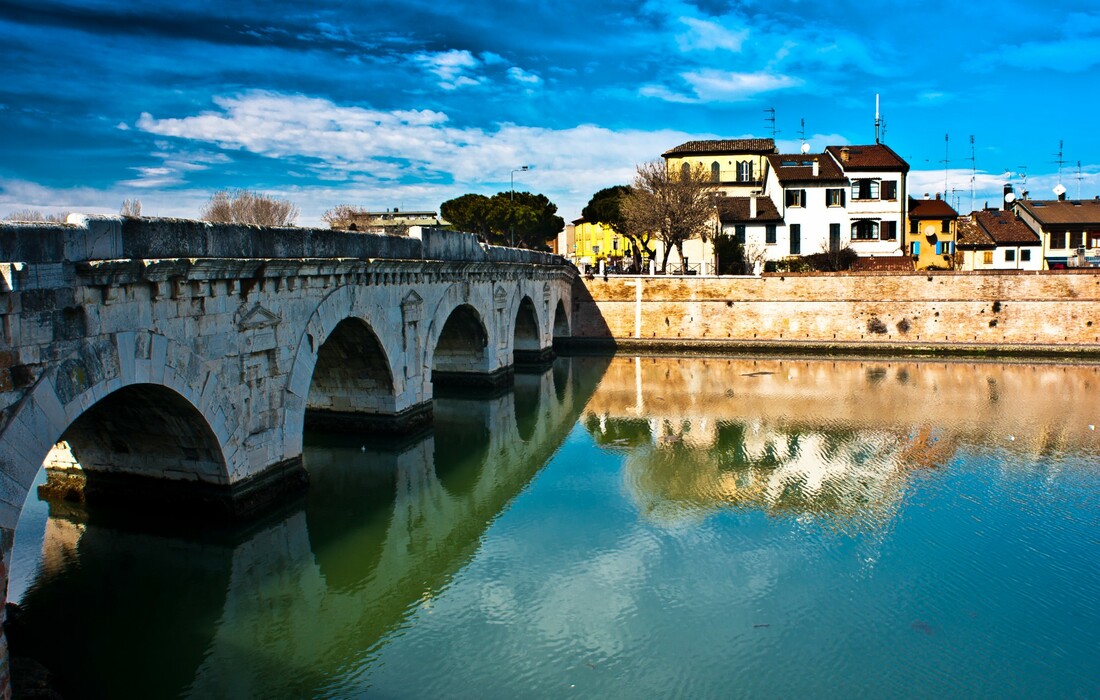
(387, 221)
(755, 223)
(810, 192)
(993, 239)
(595, 242)
(932, 234)
(737, 166)
(1069, 229)
(876, 198)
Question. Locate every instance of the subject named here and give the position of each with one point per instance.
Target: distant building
(877, 197)
(1069, 229)
(931, 238)
(593, 242)
(392, 222)
(736, 166)
(993, 239)
(810, 192)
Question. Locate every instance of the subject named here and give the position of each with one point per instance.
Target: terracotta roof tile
(878, 156)
(722, 146)
(799, 168)
(1068, 211)
(735, 210)
(930, 209)
(971, 235)
(1005, 228)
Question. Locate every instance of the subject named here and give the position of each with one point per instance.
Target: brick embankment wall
(1023, 312)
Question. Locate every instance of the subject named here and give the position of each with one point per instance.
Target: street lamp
(512, 197)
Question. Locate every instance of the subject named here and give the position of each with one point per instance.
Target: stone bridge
(180, 361)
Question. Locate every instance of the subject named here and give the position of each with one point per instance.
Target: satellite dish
(1059, 189)
(805, 148)
(1009, 197)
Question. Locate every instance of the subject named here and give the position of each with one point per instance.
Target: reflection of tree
(618, 432)
(851, 479)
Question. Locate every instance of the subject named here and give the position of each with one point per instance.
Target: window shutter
(803, 197)
(842, 193)
(855, 189)
(916, 247)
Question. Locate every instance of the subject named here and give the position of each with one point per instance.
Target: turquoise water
(634, 527)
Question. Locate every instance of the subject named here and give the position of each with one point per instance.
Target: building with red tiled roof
(993, 239)
(736, 166)
(1069, 228)
(876, 198)
(931, 238)
(811, 192)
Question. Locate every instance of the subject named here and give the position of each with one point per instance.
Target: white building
(876, 198)
(993, 239)
(810, 191)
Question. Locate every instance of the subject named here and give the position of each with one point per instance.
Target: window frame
(771, 235)
(796, 239)
(871, 235)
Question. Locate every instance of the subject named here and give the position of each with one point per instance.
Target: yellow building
(737, 166)
(593, 242)
(932, 233)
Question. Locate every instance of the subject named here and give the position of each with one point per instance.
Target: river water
(623, 528)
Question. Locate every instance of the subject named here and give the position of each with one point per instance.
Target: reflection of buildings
(835, 437)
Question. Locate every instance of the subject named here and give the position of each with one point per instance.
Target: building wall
(727, 165)
(928, 233)
(594, 242)
(879, 210)
(995, 307)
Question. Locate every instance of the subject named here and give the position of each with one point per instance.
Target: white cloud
(713, 85)
(710, 35)
(521, 76)
(378, 151)
(452, 67)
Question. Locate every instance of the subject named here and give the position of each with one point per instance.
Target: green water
(634, 527)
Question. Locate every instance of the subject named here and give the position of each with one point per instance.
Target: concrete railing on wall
(998, 309)
(120, 238)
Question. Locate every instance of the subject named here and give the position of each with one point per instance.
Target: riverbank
(990, 314)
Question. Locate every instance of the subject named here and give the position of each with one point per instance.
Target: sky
(404, 105)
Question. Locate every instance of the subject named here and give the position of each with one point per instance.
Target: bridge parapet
(87, 238)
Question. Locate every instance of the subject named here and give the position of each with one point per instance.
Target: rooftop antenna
(770, 111)
(946, 160)
(802, 132)
(973, 171)
(1078, 179)
(878, 120)
(1060, 161)
(1023, 176)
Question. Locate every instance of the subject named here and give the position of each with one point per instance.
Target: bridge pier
(412, 420)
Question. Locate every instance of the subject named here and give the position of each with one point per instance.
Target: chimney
(937, 196)
(844, 155)
(817, 168)
(1062, 197)
(1024, 194)
(1005, 200)
(927, 196)
(752, 207)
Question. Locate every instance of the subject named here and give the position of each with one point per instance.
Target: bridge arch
(352, 376)
(150, 379)
(561, 321)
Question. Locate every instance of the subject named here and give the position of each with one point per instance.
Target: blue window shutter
(916, 247)
(939, 248)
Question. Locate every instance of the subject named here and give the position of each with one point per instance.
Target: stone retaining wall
(1047, 309)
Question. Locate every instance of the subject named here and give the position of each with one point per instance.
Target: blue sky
(382, 105)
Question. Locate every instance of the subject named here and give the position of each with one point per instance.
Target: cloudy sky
(407, 104)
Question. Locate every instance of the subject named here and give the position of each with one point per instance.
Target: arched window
(715, 171)
(864, 230)
(685, 170)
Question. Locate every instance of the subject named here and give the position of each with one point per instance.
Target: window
(889, 230)
(796, 239)
(744, 171)
(739, 233)
(945, 247)
(865, 189)
(769, 233)
(834, 237)
(864, 230)
(1025, 256)
(1076, 239)
(1010, 256)
(946, 226)
(1057, 239)
(914, 226)
(715, 171)
(889, 189)
(685, 170)
(796, 198)
(987, 257)
(834, 197)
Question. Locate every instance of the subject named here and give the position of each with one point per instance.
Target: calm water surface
(634, 527)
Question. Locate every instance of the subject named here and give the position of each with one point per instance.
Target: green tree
(605, 208)
(469, 213)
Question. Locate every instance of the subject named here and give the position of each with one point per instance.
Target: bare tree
(35, 216)
(341, 216)
(247, 207)
(675, 205)
(131, 207)
(754, 256)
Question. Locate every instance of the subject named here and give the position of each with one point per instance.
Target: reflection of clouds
(587, 606)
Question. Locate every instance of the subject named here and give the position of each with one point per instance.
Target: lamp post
(512, 198)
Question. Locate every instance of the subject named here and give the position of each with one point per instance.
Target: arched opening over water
(527, 328)
(461, 357)
(352, 384)
(561, 322)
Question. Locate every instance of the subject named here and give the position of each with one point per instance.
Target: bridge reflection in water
(790, 465)
(282, 608)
